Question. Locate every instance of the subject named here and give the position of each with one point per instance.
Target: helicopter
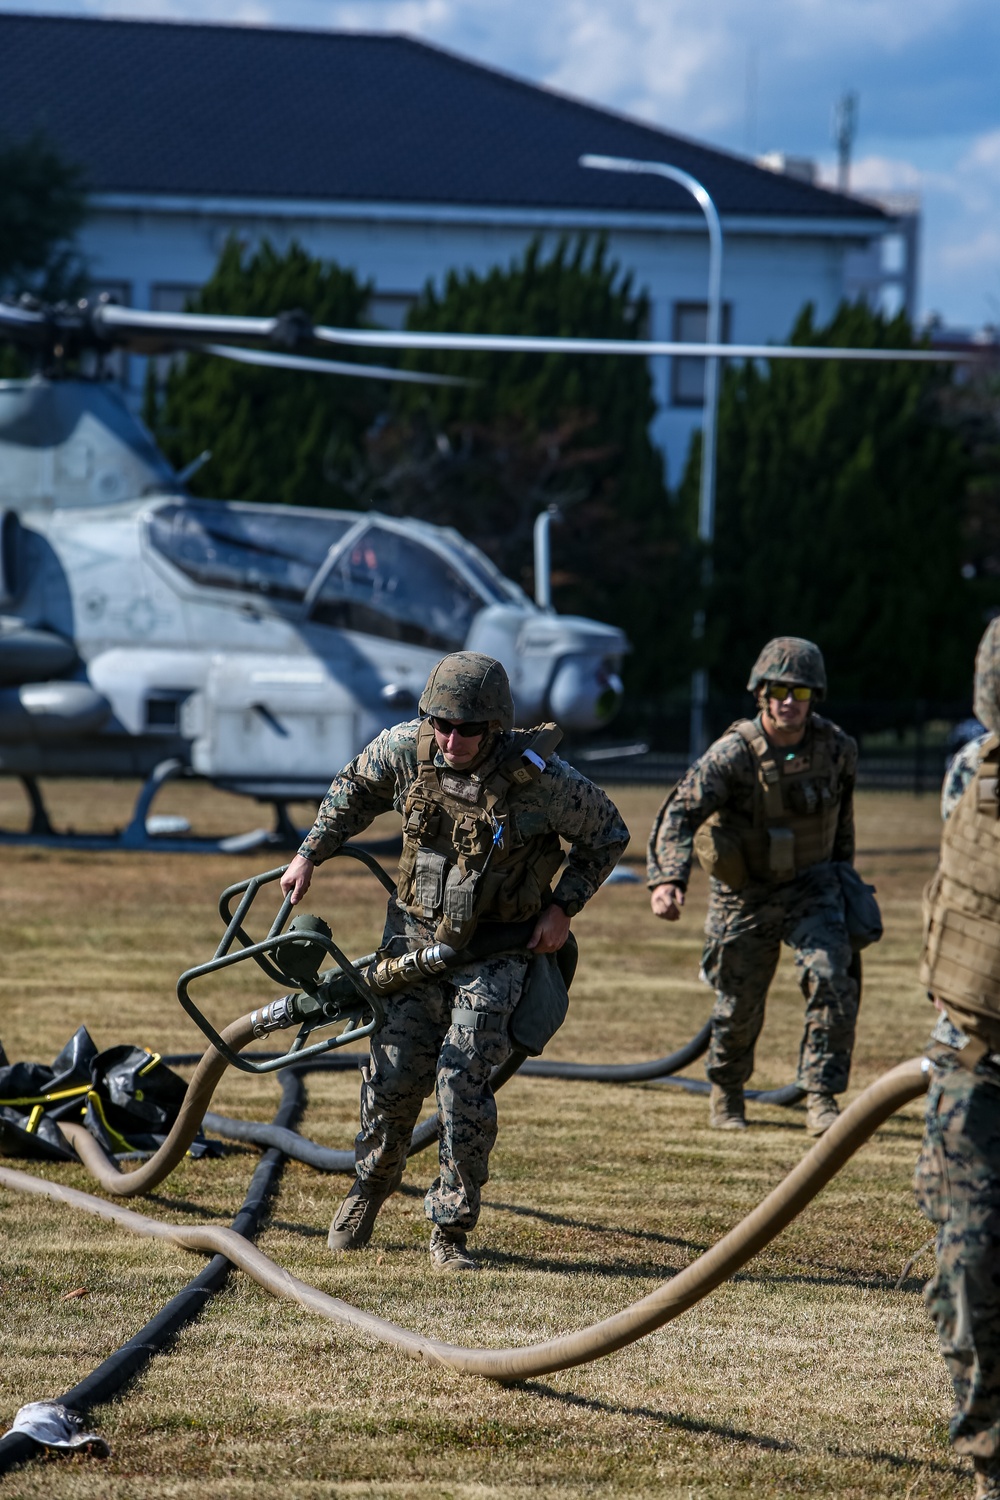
(144, 632)
(148, 633)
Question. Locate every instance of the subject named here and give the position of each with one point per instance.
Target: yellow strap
(94, 1098)
(82, 1088)
(154, 1058)
(33, 1119)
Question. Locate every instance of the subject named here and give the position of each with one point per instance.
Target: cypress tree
(532, 430)
(839, 518)
(275, 435)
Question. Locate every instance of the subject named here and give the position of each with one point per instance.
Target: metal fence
(903, 747)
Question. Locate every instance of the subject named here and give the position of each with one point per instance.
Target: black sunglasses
(467, 731)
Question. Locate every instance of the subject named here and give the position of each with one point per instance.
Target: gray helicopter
(146, 633)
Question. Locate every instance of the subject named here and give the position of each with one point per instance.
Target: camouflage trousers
(744, 932)
(957, 1184)
(418, 1050)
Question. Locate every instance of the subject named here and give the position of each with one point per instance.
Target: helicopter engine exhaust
(563, 667)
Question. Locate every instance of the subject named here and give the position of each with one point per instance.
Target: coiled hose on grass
(211, 1066)
(332, 1159)
(859, 1121)
(120, 1367)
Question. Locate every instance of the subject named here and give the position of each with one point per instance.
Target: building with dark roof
(404, 161)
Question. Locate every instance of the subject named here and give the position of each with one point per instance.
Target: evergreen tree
(42, 204)
(533, 430)
(839, 512)
(275, 435)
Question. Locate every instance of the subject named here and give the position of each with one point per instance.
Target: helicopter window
(232, 548)
(389, 585)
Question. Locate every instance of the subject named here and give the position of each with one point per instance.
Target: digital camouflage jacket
(726, 777)
(562, 801)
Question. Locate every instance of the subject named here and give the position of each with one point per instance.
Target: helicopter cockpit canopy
(366, 573)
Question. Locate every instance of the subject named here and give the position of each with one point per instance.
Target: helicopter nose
(586, 692)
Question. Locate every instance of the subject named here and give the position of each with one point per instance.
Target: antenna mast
(845, 128)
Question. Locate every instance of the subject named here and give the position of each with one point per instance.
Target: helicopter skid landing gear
(40, 824)
(285, 835)
(136, 835)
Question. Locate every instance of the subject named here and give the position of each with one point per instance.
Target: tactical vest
(463, 857)
(796, 808)
(961, 958)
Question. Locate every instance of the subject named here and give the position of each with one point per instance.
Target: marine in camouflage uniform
(957, 1180)
(751, 912)
(449, 1035)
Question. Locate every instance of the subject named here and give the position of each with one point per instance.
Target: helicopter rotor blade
(144, 332)
(329, 366)
(502, 343)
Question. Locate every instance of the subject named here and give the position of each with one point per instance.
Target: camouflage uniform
(419, 1046)
(745, 929)
(961, 769)
(957, 1184)
(957, 1179)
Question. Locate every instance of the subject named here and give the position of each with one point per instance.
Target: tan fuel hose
(859, 1121)
(203, 1084)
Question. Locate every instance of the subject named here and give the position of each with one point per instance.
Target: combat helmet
(986, 705)
(789, 658)
(467, 686)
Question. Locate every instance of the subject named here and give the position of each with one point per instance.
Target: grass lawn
(808, 1375)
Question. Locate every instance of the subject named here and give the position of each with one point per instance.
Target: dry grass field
(808, 1375)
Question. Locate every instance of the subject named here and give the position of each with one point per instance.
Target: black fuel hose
(642, 1072)
(115, 1372)
(332, 1159)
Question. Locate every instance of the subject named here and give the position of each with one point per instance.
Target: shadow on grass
(665, 1418)
(901, 1461)
(501, 1260)
(196, 1210)
(564, 1221)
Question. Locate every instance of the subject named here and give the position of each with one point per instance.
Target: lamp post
(706, 497)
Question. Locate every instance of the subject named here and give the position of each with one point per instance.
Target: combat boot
(448, 1252)
(822, 1111)
(987, 1472)
(726, 1109)
(355, 1218)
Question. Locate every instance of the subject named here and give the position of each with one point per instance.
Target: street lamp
(706, 498)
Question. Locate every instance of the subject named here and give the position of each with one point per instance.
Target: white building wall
(769, 271)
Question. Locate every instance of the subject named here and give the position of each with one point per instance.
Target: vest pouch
(458, 908)
(719, 850)
(544, 1000)
(429, 874)
(961, 960)
(781, 853)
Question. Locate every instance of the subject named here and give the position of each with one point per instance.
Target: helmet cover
(986, 702)
(467, 686)
(789, 658)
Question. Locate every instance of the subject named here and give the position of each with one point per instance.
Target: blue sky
(750, 77)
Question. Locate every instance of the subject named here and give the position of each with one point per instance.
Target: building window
(687, 373)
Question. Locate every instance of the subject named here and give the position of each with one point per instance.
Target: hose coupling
(392, 974)
(275, 1016)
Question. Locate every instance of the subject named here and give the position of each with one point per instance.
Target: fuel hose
(115, 1372)
(333, 1159)
(667, 1301)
